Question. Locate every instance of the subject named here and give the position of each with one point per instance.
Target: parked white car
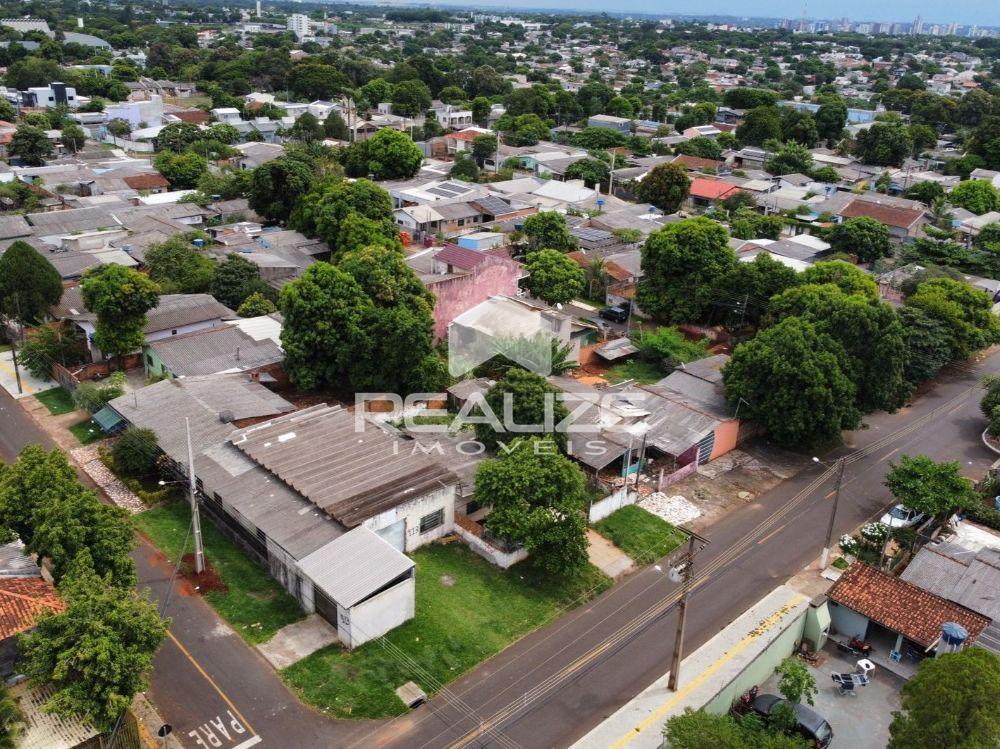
(902, 517)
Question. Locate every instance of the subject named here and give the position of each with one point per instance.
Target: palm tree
(940, 214)
(594, 273)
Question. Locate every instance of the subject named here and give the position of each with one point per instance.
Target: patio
(859, 720)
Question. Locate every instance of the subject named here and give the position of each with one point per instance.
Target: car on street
(811, 724)
(617, 313)
(902, 517)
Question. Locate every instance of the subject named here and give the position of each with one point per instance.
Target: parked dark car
(812, 725)
(618, 313)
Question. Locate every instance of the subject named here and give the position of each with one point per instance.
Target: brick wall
(457, 295)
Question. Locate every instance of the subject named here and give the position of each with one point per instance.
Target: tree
(134, 452)
(376, 91)
(11, 720)
(481, 107)
(31, 145)
(799, 127)
(547, 230)
(224, 133)
(410, 98)
(924, 137)
(793, 381)
(347, 215)
(926, 192)
(483, 147)
(796, 680)
(863, 237)
(45, 345)
(667, 347)
(666, 186)
(950, 702)
(181, 170)
(749, 98)
(73, 137)
(703, 148)
(927, 341)
(976, 195)
(847, 277)
(95, 654)
(178, 267)
(256, 305)
(277, 186)
(392, 155)
(974, 106)
(324, 332)
(553, 277)
(335, 127)
(306, 129)
(760, 124)
(527, 394)
(538, 496)
(934, 489)
(831, 118)
(701, 730)
(120, 297)
(235, 279)
(523, 130)
(756, 282)
(790, 157)
(964, 310)
(29, 283)
(884, 144)
(26, 486)
(593, 172)
(119, 128)
(464, 168)
(746, 223)
(314, 80)
(177, 136)
(682, 264)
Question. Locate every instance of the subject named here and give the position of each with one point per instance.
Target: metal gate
(705, 447)
(395, 534)
(325, 607)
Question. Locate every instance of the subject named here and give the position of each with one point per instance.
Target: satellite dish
(675, 575)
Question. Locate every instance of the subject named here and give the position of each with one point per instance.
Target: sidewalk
(29, 383)
(704, 673)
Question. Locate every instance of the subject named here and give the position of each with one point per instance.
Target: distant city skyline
(962, 12)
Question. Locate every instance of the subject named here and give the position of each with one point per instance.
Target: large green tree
(950, 702)
(759, 125)
(538, 497)
(347, 215)
(964, 310)
(928, 346)
(682, 265)
(927, 486)
(389, 154)
(526, 396)
(31, 145)
(976, 195)
(547, 230)
(278, 185)
(234, 279)
(554, 277)
(410, 98)
(795, 382)
(120, 297)
(884, 144)
(27, 485)
(29, 283)
(97, 653)
(178, 267)
(869, 332)
(847, 277)
(181, 170)
(666, 186)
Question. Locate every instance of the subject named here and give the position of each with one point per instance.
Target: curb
(987, 442)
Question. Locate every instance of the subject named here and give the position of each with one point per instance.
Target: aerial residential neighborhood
(442, 376)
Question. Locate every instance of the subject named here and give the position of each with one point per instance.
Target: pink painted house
(461, 278)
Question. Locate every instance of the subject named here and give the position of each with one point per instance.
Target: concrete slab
(29, 383)
(859, 720)
(639, 723)
(294, 642)
(607, 557)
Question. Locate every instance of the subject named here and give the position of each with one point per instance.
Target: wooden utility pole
(686, 565)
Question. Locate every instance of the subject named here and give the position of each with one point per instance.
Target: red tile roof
(460, 257)
(149, 181)
(22, 601)
(194, 116)
(711, 189)
(902, 218)
(468, 135)
(901, 606)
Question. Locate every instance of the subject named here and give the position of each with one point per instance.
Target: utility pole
(13, 345)
(833, 515)
(199, 552)
(685, 565)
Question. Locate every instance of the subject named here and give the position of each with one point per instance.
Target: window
(432, 521)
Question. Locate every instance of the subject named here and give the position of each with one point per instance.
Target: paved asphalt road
(219, 693)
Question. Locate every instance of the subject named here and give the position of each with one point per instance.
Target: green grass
(87, 431)
(640, 534)
(840, 563)
(57, 400)
(456, 627)
(645, 373)
(4, 347)
(255, 605)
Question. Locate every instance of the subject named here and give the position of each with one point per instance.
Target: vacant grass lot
(255, 605)
(640, 534)
(467, 610)
(643, 372)
(87, 431)
(57, 400)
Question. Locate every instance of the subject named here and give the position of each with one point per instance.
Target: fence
(71, 378)
(129, 145)
(478, 540)
(604, 507)
(679, 475)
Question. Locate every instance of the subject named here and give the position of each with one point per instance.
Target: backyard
(57, 400)
(467, 610)
(253, 604)
(640, 534)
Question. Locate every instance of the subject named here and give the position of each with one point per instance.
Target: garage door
(395, 534)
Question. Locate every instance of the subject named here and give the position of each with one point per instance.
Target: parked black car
(618, 313)
(812, 725)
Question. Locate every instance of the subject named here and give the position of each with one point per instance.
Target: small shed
(481, 240)
(362, 584)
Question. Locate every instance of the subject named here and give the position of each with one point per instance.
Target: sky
(964, 12)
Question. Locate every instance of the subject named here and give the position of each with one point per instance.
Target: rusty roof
(22, 601)
(902, 218)
(901, 606)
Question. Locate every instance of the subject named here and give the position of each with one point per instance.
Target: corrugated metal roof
(222, 349)
(44, 730)
(352, 475)
(355, 566)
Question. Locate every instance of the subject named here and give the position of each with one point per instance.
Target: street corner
(18, 381)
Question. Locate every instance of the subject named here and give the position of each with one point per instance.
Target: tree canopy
(553, 277)
(347, 215)
(525, 395)
(177, 266)
(929, 487)
(666, 186)
(120, 297)
(29, 283)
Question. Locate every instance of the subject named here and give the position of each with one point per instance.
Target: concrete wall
(761, 668)
(377, 615)
(412, 511)
(726, 435)
(846, 622)
(818, 624)
(457, 295)
(489, 552)
(604, 507)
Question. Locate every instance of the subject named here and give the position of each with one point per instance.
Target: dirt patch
(207, 582)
